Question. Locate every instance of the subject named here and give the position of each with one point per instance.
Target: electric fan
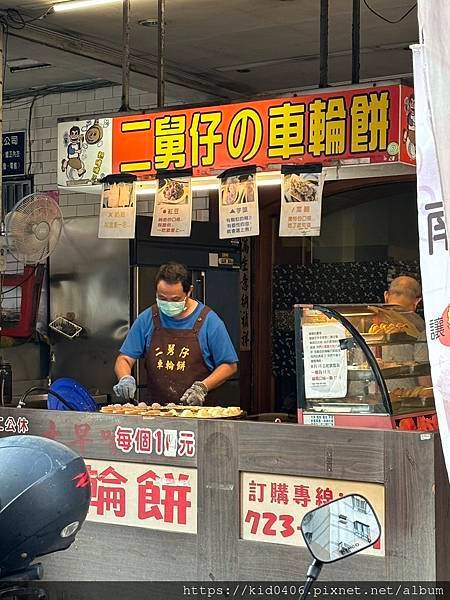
(33, 228)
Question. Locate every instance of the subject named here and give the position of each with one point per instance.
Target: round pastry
(156, 405)
(187, 413)
(169, 413)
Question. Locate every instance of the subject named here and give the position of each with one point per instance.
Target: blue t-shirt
(215, 343)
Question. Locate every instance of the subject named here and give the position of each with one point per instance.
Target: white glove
(126, 388)
(195, 395)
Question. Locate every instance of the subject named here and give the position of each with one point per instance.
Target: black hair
(75, 129)
(173, 273)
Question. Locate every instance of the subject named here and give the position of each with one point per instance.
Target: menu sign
(143, 495)
(301, 201)
(238, 206)
(173, 208)
(117, 211)
(325, 363)
(273, 506)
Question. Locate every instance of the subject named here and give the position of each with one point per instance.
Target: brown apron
(174, 360)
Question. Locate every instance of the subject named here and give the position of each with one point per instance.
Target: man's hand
(126, 388)
(195, 395)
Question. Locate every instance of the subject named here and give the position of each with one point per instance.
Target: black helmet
(44, 499)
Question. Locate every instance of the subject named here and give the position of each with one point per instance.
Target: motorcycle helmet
(44, 499)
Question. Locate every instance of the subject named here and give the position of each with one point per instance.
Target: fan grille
(33, 228)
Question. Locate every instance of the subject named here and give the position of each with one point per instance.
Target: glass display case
(363, 366)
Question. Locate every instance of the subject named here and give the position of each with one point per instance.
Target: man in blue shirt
(185, 345)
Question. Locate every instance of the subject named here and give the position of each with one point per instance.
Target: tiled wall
(45, 114)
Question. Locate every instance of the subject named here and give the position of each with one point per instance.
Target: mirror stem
(311, 576)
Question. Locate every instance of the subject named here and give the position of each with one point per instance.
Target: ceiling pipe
(356, 41)
(126, 57)
(161, 52)
(323, 78)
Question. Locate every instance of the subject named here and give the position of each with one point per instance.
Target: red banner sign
(376, 123)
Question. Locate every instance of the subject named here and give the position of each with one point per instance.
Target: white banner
(172, 216)
(434, 24)
(434, 255)
(117, 211)
(238, 206)
(301, 203)
(84, 151)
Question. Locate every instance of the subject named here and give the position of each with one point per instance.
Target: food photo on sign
(238, 204)
(173, 205)
(301, 200)
(117, 207)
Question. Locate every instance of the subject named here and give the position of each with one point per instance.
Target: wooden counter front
(407, 467)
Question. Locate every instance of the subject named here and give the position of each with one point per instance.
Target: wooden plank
(331, 453)
(275, 562)
(92, 434)
(115, 553)
(218, 501)
(410, 506)
(442, 513)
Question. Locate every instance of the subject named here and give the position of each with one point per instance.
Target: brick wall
(44, 118)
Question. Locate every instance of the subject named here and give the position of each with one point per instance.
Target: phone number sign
(273, 506)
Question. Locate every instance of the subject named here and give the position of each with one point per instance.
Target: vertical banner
(434, 252)
(434, 19)
(172, 216)
(245, 278)
(238, 203)
(117, 211)
(301, 200)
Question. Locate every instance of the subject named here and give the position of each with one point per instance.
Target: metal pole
(3, 71)
(161, 51)
(323, 82)
(356, 40)
(126, 57)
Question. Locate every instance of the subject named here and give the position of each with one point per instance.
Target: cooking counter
(188, 499)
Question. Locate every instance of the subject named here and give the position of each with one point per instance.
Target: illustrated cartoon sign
(84, 151)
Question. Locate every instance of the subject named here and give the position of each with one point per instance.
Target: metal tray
(391, 372)
(384, 339)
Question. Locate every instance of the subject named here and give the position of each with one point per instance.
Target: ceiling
(214, 50)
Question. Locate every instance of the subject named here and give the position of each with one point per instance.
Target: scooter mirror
(340, 528)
